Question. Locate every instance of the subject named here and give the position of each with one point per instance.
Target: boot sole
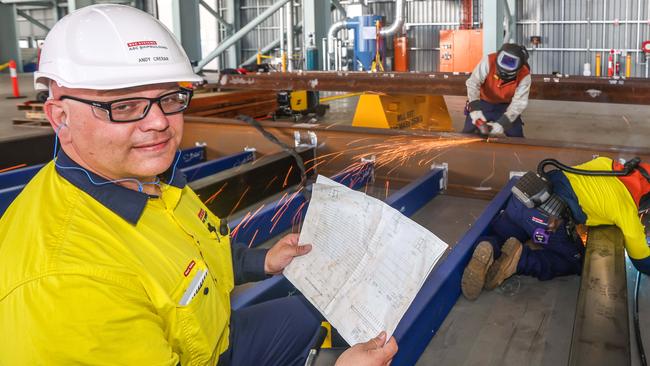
(510, 252)
(476, 271)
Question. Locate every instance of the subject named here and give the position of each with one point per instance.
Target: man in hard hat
(497, 93)
(107, 256)
(556, 249)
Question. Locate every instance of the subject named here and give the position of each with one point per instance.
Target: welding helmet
(109, 46)
(510, 59)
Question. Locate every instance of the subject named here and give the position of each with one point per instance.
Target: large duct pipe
(331, 34)
(398, 23)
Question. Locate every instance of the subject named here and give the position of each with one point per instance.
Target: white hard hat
(111, 46)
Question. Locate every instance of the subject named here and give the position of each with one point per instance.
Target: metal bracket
(516, 173)
(307, 139)
(445, 175)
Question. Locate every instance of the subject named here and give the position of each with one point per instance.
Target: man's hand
(282, 253)
(476, 116)
(496, 129)
(372, 353)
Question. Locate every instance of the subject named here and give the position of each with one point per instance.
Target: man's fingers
(375, 343)
(292, 238)
(302, 250)
(390, 349)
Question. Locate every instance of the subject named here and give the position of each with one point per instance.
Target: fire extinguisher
(610, 64)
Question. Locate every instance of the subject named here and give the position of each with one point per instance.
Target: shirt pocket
(202, 316)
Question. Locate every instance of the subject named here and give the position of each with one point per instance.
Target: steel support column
(187, 27)
(493, 13)
(510, 21)
(32, 20)
(216, 16)
(240, 33)
(9, 36)
(316, 24)
(233, 54)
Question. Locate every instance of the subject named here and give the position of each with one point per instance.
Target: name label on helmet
(148, 52)
(142, 43)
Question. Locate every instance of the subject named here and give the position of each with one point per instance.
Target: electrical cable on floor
(637, 328)
(269, 136)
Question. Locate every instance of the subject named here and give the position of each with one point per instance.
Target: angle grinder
(483, 127)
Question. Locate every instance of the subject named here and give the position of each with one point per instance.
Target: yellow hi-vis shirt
(80, 284)
(606, 201)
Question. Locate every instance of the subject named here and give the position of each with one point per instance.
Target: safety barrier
(14, 79)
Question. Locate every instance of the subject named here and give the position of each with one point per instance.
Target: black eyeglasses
(135, 109)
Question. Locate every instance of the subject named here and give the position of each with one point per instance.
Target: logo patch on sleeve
(202, 215)
(538, 220)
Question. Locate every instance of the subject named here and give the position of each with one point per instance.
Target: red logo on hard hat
(142, 43)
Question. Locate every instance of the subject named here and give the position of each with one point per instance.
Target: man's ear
(57, 114)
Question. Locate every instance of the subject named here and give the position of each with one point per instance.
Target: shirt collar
(126, 203)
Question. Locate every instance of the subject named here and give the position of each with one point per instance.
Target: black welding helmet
(510, 59)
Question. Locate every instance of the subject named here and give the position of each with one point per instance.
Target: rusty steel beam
(478, 169)
(573, 88)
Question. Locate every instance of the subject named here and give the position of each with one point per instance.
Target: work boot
(506, 265)
(476, 270)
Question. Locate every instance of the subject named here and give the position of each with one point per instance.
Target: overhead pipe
(331, 37)
(398, 23)
(239, 34)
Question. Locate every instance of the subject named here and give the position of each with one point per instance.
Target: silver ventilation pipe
(398, 23)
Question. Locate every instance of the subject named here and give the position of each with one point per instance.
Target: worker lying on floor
(107, 256)
(497, 93)
(556, 249)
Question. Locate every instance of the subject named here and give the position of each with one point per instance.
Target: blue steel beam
(191, 156)
(410, 198)
(18, 177)
(8, 195)
(215, 166)
(441, 289)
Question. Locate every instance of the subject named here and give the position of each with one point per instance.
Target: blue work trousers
(559, 257)
(493, 112)
(276, 332)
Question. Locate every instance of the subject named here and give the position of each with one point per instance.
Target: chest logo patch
(189, 268)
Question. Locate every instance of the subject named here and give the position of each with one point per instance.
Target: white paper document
(367, 263)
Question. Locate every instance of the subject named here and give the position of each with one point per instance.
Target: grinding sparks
(390, 154)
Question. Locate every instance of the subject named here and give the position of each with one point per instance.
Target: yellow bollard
(628, 65)
(259, 57)
(284, 62)
(598, 65)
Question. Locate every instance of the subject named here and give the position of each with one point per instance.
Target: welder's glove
(476, 116)
(496, 129)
